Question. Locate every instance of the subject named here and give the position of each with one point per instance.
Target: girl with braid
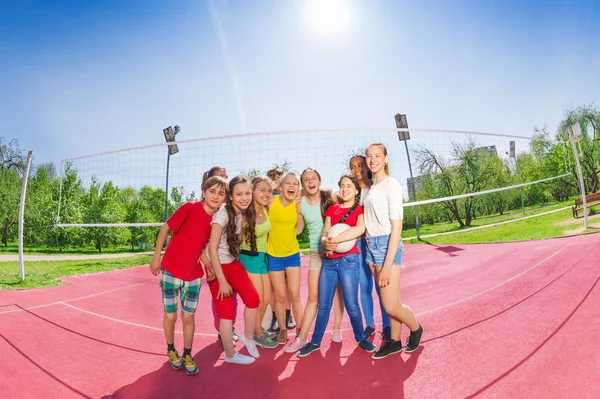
(341, 267)
(224, 249)
(253, 253)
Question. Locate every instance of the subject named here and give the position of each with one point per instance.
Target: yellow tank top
(282, 240)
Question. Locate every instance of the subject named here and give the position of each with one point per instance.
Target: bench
(591, 201)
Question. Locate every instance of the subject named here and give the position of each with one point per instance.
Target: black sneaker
(414, 340)
(388, 348)
(386, 334)
(274, 326)
(369, 331)
(289, 322)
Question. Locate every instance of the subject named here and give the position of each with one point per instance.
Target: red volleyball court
(500, 320)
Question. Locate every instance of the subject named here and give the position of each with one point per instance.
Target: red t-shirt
(191, 230)
(336, 212)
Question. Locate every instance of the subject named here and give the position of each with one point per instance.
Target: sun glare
(328, 16)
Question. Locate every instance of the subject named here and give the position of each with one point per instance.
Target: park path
(15, 258)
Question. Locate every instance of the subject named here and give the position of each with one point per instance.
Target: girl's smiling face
(290, 186)
(348, 190)
(358, 167)
(241, 196)
(376, 158)
(311, 182)
(262, 193)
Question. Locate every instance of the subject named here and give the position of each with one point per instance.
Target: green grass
(546, 226)
(47, 273)
(13, 248)
(482, 221)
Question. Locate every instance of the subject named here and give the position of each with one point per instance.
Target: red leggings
(237, 277)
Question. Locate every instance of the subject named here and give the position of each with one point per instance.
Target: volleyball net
(454, 173)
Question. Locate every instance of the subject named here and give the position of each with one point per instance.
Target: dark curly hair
(356, 204)
(233, 238)
(250, 214)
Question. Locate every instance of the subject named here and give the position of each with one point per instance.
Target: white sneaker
(250, 346)
(238, 358)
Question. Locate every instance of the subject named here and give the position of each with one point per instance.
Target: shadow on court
(277, 375)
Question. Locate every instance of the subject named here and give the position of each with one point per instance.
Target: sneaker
(367, 345)
(221, 341)
(269, 334)
(236, 336)
(386, 334)
(308, 349)
(282, 337)
(414, 340)
(265, 342)
(175, 360)
(295, 346)
(289, 322)
(274, 328)
(238, 358)
(388, 348)
(369, 331)
(336, 336)
(250, 346)
(190, 365)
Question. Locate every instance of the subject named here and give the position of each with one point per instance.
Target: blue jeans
(365, 280)
(344, 270)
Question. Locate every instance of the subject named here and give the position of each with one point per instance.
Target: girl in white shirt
(383, 214)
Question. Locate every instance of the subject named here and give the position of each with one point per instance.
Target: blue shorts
(276, 264)
(377, 250)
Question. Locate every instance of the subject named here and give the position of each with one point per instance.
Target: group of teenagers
(243, 235)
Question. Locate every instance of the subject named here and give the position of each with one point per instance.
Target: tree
(12, 165)
(102, 205)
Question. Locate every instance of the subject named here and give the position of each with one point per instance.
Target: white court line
(76, 299)
(494, 287)
(131, 323)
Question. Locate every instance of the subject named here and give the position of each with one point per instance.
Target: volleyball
(342, 246)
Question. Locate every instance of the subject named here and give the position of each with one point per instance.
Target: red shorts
(237, 277)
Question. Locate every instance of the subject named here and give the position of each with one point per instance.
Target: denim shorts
(377, 250)
(276, 264)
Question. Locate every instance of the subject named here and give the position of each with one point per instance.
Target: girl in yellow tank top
(283, 252)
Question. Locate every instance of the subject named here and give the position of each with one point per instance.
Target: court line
(131, 323)
(494, 287)
(76, 299)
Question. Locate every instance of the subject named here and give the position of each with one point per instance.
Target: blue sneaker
(386, 334)
(367, 345)
(369, 331)
(308, 349)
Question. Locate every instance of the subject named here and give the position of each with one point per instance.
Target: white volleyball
(342, 246)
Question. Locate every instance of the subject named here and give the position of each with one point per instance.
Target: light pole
(170, 133)
(402, 123)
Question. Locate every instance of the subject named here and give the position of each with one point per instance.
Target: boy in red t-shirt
(181, 269)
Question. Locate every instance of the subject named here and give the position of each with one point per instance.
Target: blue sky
(79, 77)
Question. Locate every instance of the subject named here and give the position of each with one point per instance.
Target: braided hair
(250, 215)
(233, 239)
(356, 203)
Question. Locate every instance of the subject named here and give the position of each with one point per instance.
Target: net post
(22, 213)
(575, 132)
(404, 135)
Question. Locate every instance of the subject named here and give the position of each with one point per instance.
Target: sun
(328, 16)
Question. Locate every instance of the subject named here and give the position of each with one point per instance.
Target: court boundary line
(493, 287)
